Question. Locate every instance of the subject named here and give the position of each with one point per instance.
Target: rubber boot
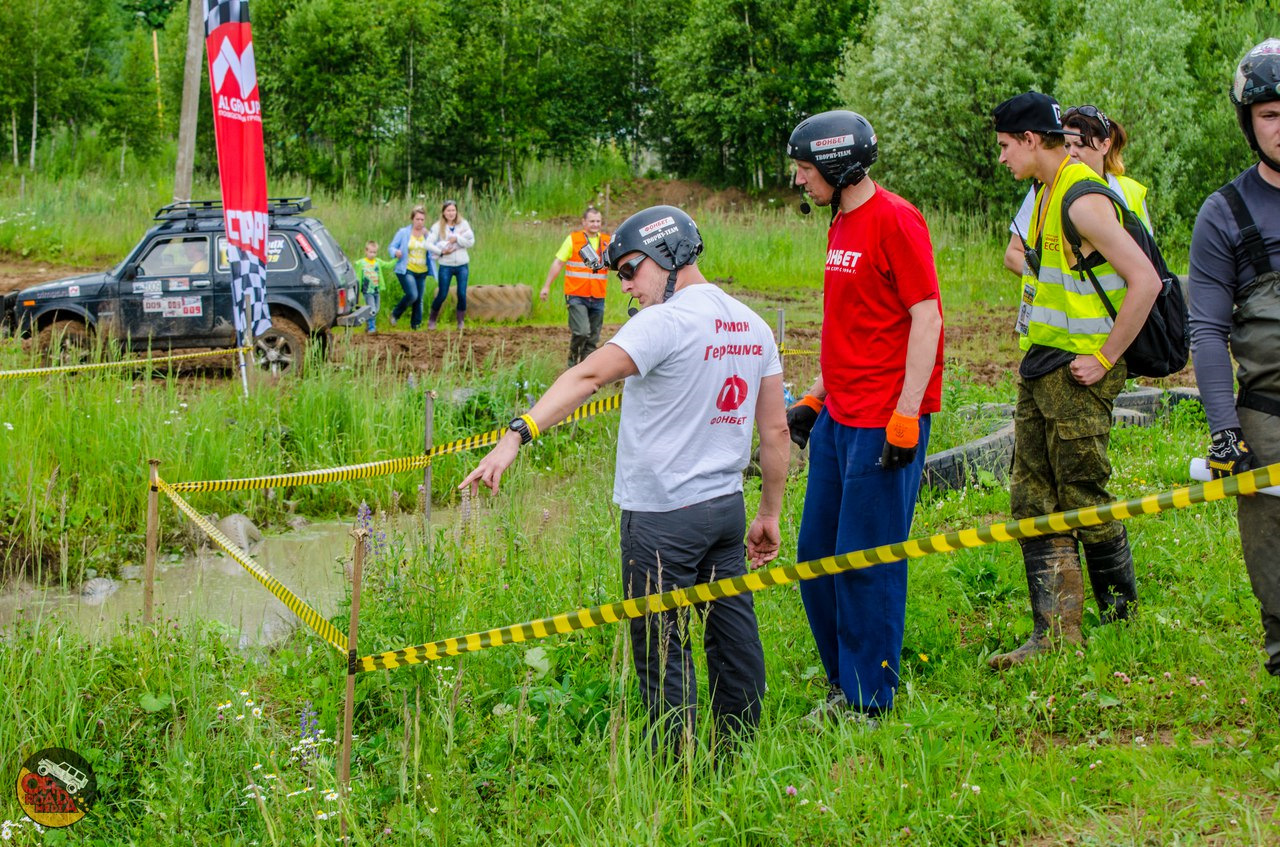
(432, 319)
(461, 317)
(1110, 565)
(1056, 587)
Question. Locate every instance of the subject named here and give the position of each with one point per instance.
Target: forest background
(385, 98)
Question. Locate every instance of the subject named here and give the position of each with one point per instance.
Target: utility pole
(190, 114)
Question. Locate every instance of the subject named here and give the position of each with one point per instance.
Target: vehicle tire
(64, 342)
(499, 302)
(281, 349)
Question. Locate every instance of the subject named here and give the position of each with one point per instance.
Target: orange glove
(900, 439)
(801, 417)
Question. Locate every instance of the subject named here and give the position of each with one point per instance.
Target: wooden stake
(428, 433)
(153, 539)
(348, 716)
(782, 328)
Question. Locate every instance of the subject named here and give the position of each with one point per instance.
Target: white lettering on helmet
(835, 141)
(648, 228)
(660, 236)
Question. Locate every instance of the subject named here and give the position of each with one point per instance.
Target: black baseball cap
(1030, 111)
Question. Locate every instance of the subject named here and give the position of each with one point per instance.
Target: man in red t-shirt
(866, 418)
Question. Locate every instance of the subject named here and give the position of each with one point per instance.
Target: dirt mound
(634, 195)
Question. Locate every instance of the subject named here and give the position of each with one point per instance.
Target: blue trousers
(447, 273)
(413, 284)
(850, 504)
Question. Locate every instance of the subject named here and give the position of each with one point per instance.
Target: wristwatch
(519, 427)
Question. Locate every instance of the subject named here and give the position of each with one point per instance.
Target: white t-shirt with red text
(685, 433)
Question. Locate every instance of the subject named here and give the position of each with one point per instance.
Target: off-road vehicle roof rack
(191, 210)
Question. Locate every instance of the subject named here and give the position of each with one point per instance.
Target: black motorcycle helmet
(1257, 81)
(840, 144)
(663, 233)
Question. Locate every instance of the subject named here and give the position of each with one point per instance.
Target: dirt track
(980, 347)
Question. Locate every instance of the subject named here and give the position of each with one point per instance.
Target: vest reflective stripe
(580, 280)
(1135, 197)
(1067, 313)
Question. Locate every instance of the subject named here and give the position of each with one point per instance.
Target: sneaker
(391, 319)
(831, 710)
(431, 324)
(836, 709)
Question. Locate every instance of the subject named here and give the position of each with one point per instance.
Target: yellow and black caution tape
(308, 615)
(1178, 498)
(386, 466)
(123, 363)
(787, 351)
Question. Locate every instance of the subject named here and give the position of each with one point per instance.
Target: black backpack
(1162, 346)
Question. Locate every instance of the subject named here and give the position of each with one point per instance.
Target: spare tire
(499, 302)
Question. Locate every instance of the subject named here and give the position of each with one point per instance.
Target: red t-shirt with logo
(879, 265)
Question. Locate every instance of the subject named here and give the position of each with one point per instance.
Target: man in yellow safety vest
(1069, 378)
(584, 286)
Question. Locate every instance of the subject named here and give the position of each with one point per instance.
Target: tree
(927, 76)
(1130, 60)
(130, 118)
(738, 75)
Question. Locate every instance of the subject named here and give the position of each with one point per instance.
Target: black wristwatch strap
(521, 428)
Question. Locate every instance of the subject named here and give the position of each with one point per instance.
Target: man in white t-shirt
(700, 368)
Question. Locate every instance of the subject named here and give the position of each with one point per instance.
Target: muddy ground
(980, 344)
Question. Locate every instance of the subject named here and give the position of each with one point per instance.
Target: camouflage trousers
(1061, 433)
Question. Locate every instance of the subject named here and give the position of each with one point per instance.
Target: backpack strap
(1074, 193)
(1251, 239)
(1072, 235)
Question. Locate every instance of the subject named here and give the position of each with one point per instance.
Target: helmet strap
(671, 285)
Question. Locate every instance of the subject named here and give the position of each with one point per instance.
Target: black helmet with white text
(663, 233)
(840, 144)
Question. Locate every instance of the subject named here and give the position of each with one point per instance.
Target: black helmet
(1257, 81)
(840, 144)
(663, 233)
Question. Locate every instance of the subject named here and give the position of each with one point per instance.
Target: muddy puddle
(206, 586)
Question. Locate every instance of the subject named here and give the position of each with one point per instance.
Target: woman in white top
(448, 241)
(1098, 145)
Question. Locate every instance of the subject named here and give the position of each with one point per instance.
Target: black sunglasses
(627, 270)
(1095, 113)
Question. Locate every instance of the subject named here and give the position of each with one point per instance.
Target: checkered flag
(219, 12)
(248, 291)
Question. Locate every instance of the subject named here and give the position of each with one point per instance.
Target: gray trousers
(1259, 519)
(586, 317)
(677, 549)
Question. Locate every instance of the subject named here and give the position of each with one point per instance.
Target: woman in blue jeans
(448, 242)
(410, 249)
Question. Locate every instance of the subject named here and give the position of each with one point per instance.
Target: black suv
(173, 290)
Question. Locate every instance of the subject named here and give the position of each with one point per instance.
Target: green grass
(1162, 725)
(1162, 731)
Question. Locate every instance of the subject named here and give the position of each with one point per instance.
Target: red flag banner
(242, 167)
